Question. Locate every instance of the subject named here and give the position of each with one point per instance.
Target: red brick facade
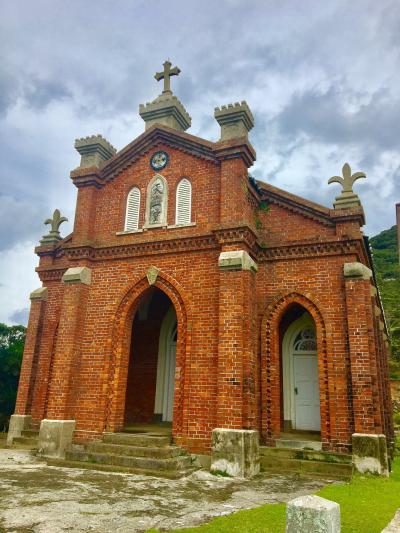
(87, 359)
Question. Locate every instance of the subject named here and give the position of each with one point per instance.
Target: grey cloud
(323, 117)
(20, 316)
(20, 220)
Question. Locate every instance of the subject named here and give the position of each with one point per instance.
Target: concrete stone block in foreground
(312, 514)
(370, 454)
(55, 436)
(18, 423)
(235, 452)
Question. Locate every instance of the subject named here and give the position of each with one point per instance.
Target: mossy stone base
(235, 452)
(370, 454)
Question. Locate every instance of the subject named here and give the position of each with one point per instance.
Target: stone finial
(94, 150)
(166, 109)
(236, 120)
(347, 198)
(166, 75)
(54, 235)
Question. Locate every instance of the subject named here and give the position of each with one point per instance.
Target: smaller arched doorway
(151, 373)
(300, 383)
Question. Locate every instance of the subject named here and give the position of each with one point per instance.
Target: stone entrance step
(313, 463)
(298, 444)
(28, 440)
(139, 453)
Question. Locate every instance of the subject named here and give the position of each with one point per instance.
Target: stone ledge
(356, 271)
(78, 275)
(39, 294)
(236, 260)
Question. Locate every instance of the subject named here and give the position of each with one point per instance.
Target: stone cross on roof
(166, 75)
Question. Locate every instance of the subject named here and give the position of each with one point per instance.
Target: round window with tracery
(305, 341)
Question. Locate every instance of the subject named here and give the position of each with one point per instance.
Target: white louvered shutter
(132, 210)
(183, 202)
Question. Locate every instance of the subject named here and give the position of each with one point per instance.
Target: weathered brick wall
(228, 370)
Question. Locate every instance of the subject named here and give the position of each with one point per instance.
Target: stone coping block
(236, 260)
(356, 271)
(312, 514)
(236, 120)
(78, 275)
(370, 454)
(55, 436)
(168, 110)
(18, 424)
(39, 294)
(235, 452)
(94, 150)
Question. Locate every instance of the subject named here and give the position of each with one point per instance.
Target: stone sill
(147, 228)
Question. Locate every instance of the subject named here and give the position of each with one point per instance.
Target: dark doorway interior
(142, 373)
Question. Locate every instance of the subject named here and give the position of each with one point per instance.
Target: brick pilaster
(360, 332)
(236, 402)
(62, 390)
(32, 342)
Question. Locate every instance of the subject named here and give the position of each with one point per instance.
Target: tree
(12, 339)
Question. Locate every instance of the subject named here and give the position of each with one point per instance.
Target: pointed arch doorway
(300, 384)
(150, 386)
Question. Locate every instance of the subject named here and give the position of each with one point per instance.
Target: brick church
(193, 296)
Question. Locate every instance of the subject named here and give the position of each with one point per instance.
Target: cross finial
(166, 75)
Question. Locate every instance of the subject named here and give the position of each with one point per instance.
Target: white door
(169, 382)
(306, 392)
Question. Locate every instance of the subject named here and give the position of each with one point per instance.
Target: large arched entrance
(150, 386)
(300, 379)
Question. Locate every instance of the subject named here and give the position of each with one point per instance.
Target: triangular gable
(152, 137)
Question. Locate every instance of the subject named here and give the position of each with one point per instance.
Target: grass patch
(367, 504)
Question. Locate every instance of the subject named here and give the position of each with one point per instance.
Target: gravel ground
(36, 498)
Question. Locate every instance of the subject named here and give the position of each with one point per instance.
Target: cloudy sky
(322, 79)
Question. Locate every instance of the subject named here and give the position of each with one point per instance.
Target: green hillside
(386, 260)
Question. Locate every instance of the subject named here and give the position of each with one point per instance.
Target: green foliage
(262, 206)
(387, 268)
(12, 340)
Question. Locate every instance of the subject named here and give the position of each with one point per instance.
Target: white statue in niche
(156, 202)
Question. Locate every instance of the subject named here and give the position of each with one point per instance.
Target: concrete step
(26, 442)
(175, 463)
(169, 474)
(283, 465)
(307, 455)
(299, 444)
(161, 452)
(137, 439)
(33, 433)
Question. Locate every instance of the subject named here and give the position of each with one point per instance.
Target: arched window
(183, 202)
(132, 210)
